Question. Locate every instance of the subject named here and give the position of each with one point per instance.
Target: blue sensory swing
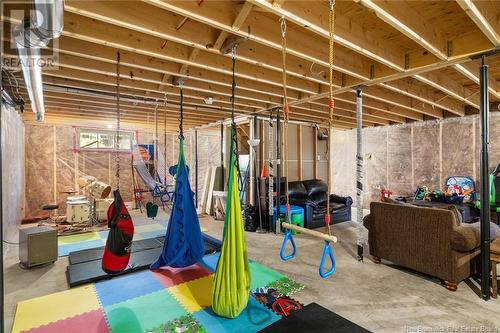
(183, 242)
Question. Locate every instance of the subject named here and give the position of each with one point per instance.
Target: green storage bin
(297, 219)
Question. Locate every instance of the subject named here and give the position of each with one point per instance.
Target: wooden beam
(412, 26)
(478, 11)
(406, 87)
(467, 70)
(242, 15)
(192, 57)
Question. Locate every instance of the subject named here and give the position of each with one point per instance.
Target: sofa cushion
(319, 199)
(315, 187)
(464, 239)
(494, 229)
(495, 247)
(297, 190)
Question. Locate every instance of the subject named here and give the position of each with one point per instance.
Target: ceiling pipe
(32, 34)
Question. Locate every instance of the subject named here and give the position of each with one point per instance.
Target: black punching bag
(121, 231)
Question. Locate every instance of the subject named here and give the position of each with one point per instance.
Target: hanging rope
(118, 116)
(285, 119)
(331, 104)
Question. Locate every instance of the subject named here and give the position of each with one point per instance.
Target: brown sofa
(427, 240)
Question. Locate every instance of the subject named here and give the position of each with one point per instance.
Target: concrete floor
(381, 298)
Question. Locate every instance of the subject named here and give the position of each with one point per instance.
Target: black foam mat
(78, 257)
(91, 271)
(315, 319)
(85, 265)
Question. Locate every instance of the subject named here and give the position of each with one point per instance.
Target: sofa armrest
(464, 239)
(339, 199)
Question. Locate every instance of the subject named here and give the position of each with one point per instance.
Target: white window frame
(98, 131)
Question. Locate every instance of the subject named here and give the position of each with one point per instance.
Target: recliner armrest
(343, 200)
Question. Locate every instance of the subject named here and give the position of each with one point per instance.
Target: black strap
(181, 122)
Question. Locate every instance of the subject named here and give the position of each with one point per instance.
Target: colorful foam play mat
(90, 240)
(168, 300)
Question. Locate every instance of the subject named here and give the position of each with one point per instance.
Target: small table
(296, 215)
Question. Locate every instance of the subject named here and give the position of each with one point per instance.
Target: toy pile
(457, 190)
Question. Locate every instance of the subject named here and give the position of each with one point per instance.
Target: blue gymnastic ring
(288, 237)
(327, 251)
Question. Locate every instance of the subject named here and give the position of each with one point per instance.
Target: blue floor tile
(152, 234)
(210, 261)
(127, 287)
(254, 318)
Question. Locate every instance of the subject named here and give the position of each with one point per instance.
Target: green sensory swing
(231, 286)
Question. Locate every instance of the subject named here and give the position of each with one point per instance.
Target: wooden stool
(495, 259)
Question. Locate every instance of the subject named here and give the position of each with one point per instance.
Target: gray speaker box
(37, 246)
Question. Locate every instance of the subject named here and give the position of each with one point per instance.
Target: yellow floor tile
(194, 295)
(46, 309)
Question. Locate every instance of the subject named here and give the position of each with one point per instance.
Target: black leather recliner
(311, 195)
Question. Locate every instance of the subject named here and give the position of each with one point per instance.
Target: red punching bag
(119, 242)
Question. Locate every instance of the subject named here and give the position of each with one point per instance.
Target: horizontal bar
(310, 232)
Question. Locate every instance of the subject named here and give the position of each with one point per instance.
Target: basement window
(91, 139)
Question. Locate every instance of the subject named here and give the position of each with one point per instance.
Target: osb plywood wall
(54, 166)
(12, 172)
(301, 158)
(403, 157)
(209, 147)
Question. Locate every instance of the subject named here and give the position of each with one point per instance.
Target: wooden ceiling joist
(91, 12)
(412, 60)
(361, 48)
(478, 11)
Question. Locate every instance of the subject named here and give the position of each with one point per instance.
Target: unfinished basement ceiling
(414, 58)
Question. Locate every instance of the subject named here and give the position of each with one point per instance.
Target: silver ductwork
(33, 33)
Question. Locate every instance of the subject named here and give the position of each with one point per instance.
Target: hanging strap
(155, 164)
(285, 119)
(331, 104)
(118, 116)
(234, 132)
(181, 121)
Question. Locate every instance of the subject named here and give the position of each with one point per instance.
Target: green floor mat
(144, 313)
(261, 276)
